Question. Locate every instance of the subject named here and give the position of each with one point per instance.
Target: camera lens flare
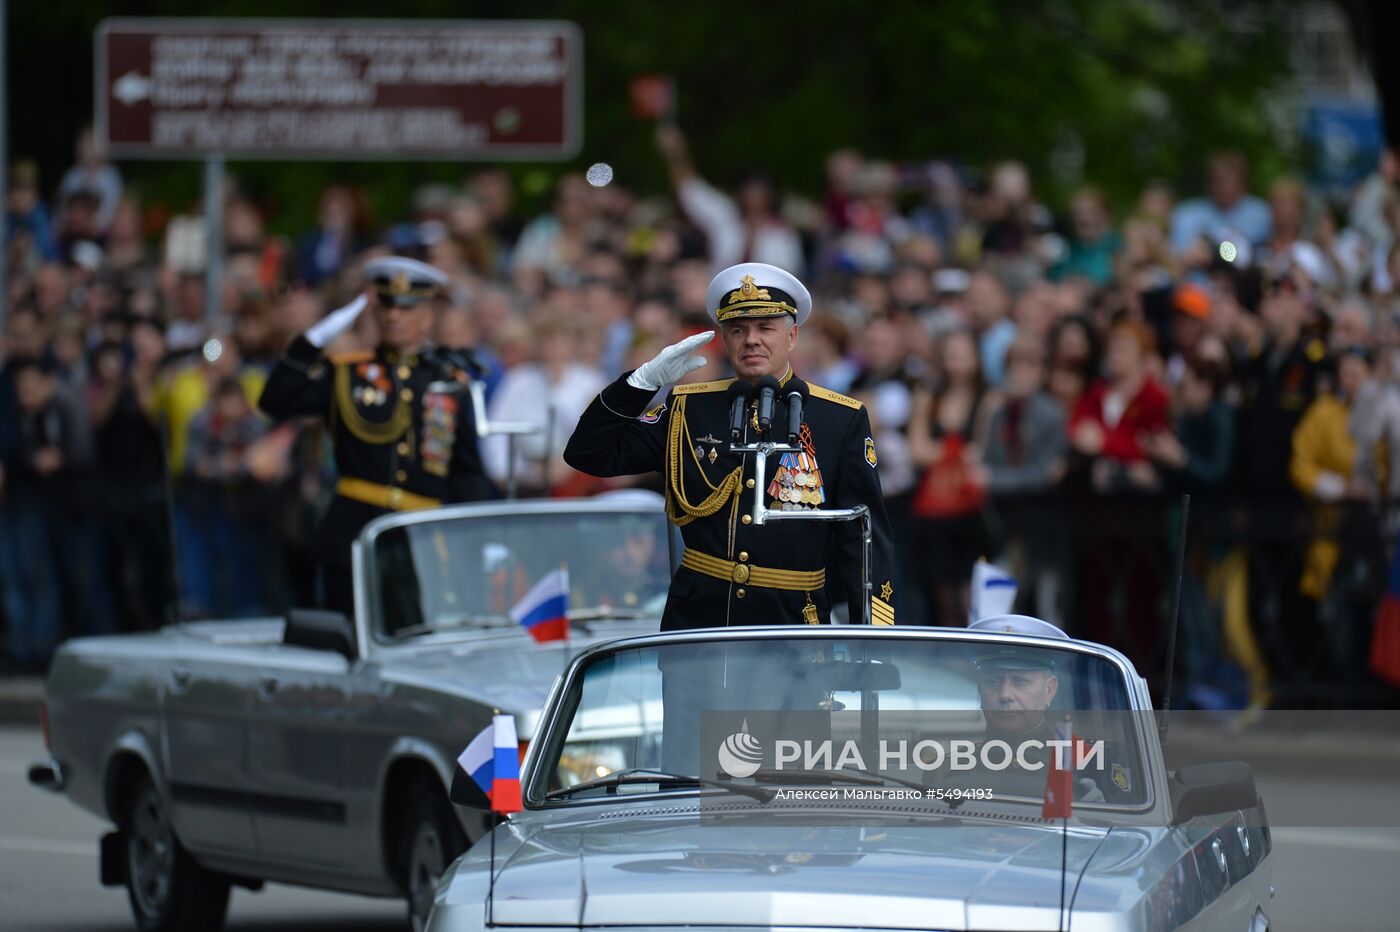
(599, 174)
(1228, 252)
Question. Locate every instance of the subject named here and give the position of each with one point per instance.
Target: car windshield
(764, 708)
(467, 573)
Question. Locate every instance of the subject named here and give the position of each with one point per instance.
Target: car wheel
(168, 891)
(432, 839)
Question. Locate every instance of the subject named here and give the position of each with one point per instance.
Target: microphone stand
(762, 514)
(485, 427)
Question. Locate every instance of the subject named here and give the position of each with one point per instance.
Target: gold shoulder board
(350, 357)
(698, 388)
(818, 392)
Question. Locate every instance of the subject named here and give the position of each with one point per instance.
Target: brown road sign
(339, 89)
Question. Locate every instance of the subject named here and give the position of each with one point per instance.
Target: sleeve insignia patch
(654, 415)
(1120, 778)
(870, 456)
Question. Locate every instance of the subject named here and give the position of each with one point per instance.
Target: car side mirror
(1210, 789)
(320, 630)
(465, 791)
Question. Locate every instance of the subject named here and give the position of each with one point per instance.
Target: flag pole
(1064, 825)
(1174, 622)
(491, 875)
(568, 625)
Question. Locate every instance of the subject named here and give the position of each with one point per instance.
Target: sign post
(385, 90)
(213, 238)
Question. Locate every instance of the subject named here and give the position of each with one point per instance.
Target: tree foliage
(1109, 91)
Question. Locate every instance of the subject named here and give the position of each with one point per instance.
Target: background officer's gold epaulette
(818, 392)
(696, 388)
(349, 357)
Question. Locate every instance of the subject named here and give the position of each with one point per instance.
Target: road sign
(339, 89)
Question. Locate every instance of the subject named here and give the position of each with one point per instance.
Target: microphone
(461, 358)
(795, 391)
(768, 389)
(739, 395)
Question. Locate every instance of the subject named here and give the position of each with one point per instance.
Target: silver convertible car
(316, 749)
(850, 777)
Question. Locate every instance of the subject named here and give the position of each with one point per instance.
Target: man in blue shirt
(1228, 212)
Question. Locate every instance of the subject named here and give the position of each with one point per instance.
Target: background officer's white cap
(756, 289)
(403, 281)
(1018, 624)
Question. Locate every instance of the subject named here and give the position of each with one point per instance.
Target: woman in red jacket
(1118, 412)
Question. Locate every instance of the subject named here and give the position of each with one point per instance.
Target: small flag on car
(492, 760)
(1059, 778)
(1385, 636)
(544, 611)
(993, 591)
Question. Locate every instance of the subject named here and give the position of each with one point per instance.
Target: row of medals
(371, 395)
(803, 489)
(798, 491)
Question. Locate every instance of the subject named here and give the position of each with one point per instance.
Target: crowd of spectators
(1042, 385)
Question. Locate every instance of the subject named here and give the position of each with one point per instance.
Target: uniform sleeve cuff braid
(626, 400)
(301, 353)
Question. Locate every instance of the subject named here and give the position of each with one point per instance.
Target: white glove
(1330, 486)
(335, 323)
(1089, 791)
(671, 364)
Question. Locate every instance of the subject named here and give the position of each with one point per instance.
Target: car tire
(430, 840)
(168, 891)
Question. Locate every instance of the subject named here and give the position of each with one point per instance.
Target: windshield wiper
(641, 775)
(773, 775)
(484, 620)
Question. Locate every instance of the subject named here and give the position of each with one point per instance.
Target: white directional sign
(345, 89)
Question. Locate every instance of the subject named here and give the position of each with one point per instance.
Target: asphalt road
(48, 870)
(1329, 876)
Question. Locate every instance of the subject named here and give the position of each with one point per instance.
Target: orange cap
(1193, 300)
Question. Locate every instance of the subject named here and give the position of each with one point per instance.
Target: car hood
(672, 870)
(511, 673)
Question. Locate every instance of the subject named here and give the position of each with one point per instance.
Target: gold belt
(383, 496)
(745, 573)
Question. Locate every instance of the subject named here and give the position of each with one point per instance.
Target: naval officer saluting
(734, 573)
(400, 415)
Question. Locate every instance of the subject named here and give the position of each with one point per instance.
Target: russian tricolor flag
(993, 592)
(1059, 777)
(493, 761)
(544, 609)
(1385, 636)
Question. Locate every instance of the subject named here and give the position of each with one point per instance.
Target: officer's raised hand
(671, 364)
(335, 323)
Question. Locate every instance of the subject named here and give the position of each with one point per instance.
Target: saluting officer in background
(733, 573)
(400, 415)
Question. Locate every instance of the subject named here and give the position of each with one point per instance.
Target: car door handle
(180, 679)
(267, 686)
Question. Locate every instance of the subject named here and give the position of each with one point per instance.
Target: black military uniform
(402, 428)
(1279, 384)
(733, 573)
